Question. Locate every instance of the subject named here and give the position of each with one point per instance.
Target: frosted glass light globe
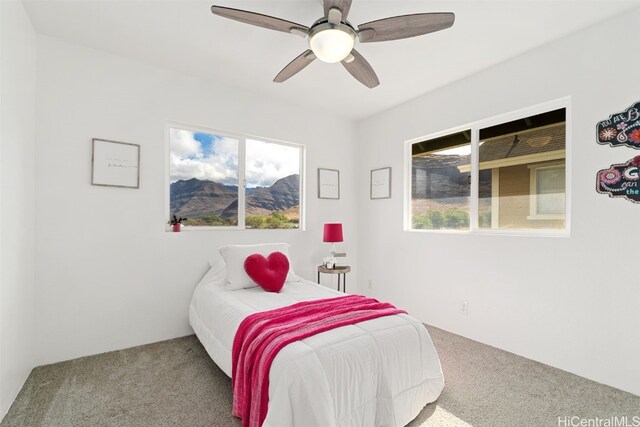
(332, 45)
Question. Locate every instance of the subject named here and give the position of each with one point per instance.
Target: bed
(380, 372)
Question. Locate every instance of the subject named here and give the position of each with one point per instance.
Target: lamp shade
(332, 45)
(332, 233)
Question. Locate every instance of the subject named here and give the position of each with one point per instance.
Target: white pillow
(216, 259)
(234, 256)
(217, 272)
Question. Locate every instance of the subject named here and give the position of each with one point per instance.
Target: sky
(215, 158)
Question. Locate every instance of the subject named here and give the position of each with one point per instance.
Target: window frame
(242, 159)
(475, 127)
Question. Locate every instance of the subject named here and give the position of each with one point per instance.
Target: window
(495, 176)
(223, 180)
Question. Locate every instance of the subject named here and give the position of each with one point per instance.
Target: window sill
(546, 217)
(205, 228)
(489, 232)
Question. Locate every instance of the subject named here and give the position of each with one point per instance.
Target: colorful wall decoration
(621, 129)
(621, 180)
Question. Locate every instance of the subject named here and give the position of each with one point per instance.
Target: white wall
(108, 274)
(568, 302)
(17, 199)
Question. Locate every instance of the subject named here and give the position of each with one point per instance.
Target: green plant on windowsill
(175, 220)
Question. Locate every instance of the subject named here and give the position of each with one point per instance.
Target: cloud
(268, 162)
(188, 158)
(183, 144)
(215, 158)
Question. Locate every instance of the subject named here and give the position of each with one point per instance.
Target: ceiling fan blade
(402, 27)
(343, 5)
(359, 68)
(295, 66)
(259, 20)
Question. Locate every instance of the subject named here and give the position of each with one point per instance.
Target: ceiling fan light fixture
(332, 43)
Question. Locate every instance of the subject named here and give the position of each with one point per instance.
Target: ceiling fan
(332, 37)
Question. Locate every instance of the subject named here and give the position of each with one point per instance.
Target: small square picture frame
(380, 183)
(115, 164)
(328, 183)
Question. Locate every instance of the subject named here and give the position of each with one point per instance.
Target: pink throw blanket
(262, 335)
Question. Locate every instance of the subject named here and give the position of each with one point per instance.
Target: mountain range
(196, 198)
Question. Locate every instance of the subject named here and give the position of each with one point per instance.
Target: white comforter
(381, 372)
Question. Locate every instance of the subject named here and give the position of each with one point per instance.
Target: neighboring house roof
(541, 144)
(532, 142)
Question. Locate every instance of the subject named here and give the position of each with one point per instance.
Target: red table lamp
(333, 234)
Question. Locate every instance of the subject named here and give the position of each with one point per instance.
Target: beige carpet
(174, 383)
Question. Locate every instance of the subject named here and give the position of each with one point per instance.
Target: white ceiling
(185, 36)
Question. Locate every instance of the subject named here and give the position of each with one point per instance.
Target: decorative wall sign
(115, 164)
(621, 180)
(621, 128)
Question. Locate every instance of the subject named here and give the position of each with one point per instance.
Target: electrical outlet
(370, 284)
(464, 308)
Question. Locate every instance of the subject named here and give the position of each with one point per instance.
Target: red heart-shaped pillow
(270, 273)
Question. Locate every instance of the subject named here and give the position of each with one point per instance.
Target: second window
(521, 177)
(222, 180)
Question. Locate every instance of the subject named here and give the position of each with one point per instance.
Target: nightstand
(340, 271)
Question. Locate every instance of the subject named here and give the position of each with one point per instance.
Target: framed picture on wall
(328, 183)
(380, 183)
(115, 164)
